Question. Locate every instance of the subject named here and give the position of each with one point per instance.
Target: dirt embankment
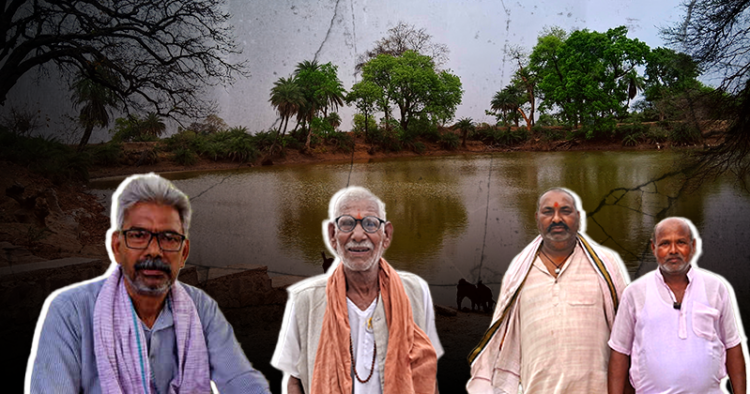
(41, 219)
(362, 152)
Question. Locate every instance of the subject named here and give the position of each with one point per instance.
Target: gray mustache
(153, 264)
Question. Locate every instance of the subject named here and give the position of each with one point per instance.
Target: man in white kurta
(554, 313)
(556, 307)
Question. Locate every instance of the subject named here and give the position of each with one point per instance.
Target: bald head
(670, 222)
(674, 246)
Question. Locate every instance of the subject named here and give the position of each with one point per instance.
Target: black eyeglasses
(138, 238)
(347, 223)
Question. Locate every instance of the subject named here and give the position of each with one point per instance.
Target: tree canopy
(411, 83)
(365, 95)
(163, 55)
(404, 37)
(321, 89)
(588, 75)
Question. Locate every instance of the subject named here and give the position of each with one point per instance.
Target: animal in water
(484, 297)
(479, 295)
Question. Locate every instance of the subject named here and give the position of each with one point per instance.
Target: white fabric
(565, 332)
(363, 339)
(288, 352)
(676, 350)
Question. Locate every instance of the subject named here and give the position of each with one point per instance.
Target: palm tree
(321, 89)
(334, 120)
(331, 95)
(287, 98)
(636, 83)
(152, 125)
(465, 125)
(306, 75)
(508, 101)
(502, 102)
(96, 100)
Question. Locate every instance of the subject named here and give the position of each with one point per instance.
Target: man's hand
(617, 373)
(736, 369)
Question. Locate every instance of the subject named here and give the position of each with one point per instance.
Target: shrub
(264, 139)
(321, 128)
(631, 139)
(108, 154)
(387, 140)
(657, 134)
(342, 141)
(184, 157)
(417, 147)
(685, 134)
(291, 142)
(45, 155)
(450, 141)
(547, 120)
(359, 124)
(553, 134)
(521, 134)
(135, 129)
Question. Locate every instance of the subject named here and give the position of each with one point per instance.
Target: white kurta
(563, 329)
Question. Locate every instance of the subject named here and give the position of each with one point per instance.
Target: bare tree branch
(164, 54)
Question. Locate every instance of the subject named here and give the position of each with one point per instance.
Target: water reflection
(444, 228)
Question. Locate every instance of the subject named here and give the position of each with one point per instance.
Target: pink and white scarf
(120, 343)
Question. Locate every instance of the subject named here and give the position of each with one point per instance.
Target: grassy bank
(235, 147)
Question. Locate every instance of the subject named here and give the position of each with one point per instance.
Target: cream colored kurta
(563, 329)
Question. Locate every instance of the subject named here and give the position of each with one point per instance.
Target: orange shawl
(410, 362)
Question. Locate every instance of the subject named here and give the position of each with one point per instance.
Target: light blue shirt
(65, 360)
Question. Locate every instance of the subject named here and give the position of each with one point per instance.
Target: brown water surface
(438, 206)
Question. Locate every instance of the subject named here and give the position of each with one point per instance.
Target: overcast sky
(275, 35)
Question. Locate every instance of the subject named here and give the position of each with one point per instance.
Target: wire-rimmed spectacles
(138, 238)
(347, 223)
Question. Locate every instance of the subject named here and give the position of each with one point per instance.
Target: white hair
(149, 188)
(350, 194)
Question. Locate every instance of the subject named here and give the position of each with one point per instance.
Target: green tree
(287, 98)
(465, 125)
(507, 104)
(411, 83)
(152, 125)
(321, 89)
(445, 98)
(334, 120)
(96, 99)
(365, 95)
(587, 74)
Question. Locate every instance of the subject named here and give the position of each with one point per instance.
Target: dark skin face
(673, 247)
(360, 250)
(155, 218)
(558, 221)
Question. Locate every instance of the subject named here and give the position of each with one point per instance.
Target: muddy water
(443, 229)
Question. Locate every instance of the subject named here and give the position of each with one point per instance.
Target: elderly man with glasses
(137, 329)
(364, 327)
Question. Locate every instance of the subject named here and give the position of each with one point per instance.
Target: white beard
(362, 265)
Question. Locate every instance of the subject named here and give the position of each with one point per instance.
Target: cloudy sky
(275, 35)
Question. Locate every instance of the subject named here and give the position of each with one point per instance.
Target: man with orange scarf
(363, 327)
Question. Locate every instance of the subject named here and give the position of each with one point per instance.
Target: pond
(462, 216)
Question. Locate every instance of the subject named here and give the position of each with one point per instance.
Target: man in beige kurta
(554, 313)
